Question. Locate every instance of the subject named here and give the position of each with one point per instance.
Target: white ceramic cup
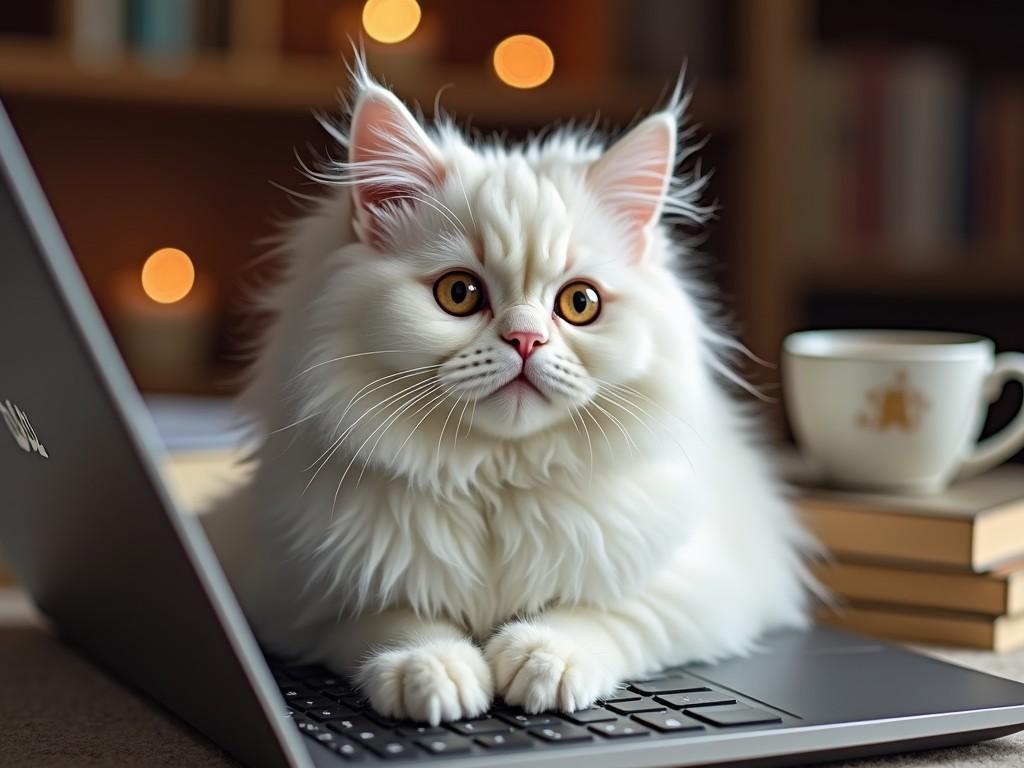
(898, 411)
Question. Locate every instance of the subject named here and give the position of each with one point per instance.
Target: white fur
(445, 538)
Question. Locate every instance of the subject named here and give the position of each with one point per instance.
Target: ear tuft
(392, 161)
(632, 178)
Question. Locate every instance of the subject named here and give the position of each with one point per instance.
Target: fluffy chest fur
(513, 538)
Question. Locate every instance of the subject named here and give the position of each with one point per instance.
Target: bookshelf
(262, 91)
(916, 142)
(303, 83)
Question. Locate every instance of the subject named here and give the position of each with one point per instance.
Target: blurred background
(868, 156)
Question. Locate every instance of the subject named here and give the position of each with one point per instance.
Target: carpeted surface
(57, 709)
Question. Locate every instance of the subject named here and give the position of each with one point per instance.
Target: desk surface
(57, 709)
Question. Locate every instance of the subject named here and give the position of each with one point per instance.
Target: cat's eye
(459, 293)
(578, 303)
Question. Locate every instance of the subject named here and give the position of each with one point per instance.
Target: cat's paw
(539, 669)
(434, 682)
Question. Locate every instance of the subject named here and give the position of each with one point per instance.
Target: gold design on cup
(898, 405)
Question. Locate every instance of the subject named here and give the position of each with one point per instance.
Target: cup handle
(1002, 445)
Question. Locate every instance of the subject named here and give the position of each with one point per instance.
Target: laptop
(97, 539)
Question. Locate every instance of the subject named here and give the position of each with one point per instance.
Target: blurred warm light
(523, 61)
(168, 275)
(391, 21)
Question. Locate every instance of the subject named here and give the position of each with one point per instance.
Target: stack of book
(946, 568)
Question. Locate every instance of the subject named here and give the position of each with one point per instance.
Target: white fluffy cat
(496, 455)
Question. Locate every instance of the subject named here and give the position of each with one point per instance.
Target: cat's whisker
(590, 444)
(472, 416)
(346, 357)
(458, 427)
(625, 404)
(444, 426)
(630, 444)
(597, 423)
(391, 378)
(452, 219)
(365, 413)
(357, 451)
(405, 442)
(573, 419)
(391, 419)
(458, 175)
(637, 393)
(646, 425)
(295, 423)
(326, 456)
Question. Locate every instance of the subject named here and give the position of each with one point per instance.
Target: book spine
(1009, 181)
(867, 182)
(98, 32)
(164, 33)
(925, 101)
(212, 25)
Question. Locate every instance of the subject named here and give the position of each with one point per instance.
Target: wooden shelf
(241, 81)
(967, 273)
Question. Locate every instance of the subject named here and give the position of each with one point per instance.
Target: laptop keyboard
(674, 704)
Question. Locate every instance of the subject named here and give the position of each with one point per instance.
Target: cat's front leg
(411, 668)
(563, 659)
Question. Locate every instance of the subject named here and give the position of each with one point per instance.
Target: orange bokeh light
(391, 21)
(168, 275)
(523, 61)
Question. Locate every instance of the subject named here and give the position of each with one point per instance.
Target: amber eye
(459, 293)
(578, 303)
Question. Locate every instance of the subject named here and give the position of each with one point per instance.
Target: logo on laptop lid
(21, 429)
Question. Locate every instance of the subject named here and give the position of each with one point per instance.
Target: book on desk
(944, 568)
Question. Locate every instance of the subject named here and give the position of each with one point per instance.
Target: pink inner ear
(392, 156)
(632, 177)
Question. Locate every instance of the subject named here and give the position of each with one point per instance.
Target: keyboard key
(416, 731)
(330, 713)
(358, 728)
(696, 699)
(391, 749)
(620, 696)
(351, 700)
(739, 714)
(523, 720)
(563, 733)
(511, 740)
(381, 720)
(327, 681)
(592, 715)
(483, 725)
(326, 737)
(675, 684)
(620, 729)
(307, 726)
(310, 702)
(346, 749)
(339, 691)
(445, 745)
(291, 692)
(640, 705)
(668, 722)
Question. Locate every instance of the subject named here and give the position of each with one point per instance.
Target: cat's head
(527, 285)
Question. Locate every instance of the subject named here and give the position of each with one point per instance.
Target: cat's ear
(632, 177)
(391, 159)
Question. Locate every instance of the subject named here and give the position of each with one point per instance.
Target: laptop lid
(85, 519)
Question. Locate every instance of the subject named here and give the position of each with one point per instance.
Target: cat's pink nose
(525, 342)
